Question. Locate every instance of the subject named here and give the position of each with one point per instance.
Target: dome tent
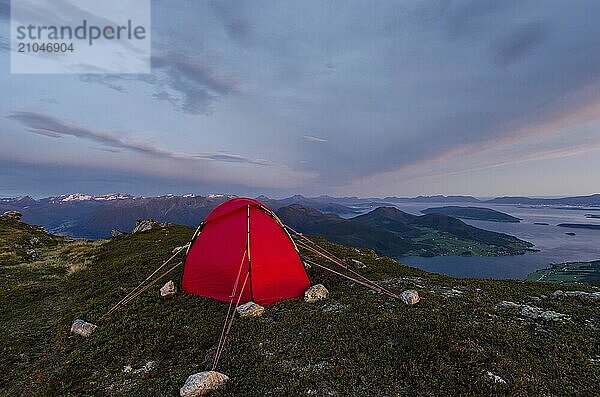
(242, 244)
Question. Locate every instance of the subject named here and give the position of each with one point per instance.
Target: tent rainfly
(242, 241)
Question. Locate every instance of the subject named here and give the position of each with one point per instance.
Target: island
(590, 226)
(474, 213)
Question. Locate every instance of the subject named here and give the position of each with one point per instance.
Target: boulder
(168, 289)
(83, 328)
(316, 293)
(144, 225)
(410, 297)
(14, 215)
(539, 314)
(250, 309)
(579, 294)
(534, 312)
(201, 383)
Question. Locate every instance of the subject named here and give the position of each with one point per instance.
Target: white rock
(508, 305)
(168, 289)
(149, 366)
(580, 294)
(83, 328)
(201, 383)
(534, 312)
(316, 293)
(177, 249)
(358, 264)
(410, 297)
(143, 225)
(250, 309)
(537, 313)
(495, 378)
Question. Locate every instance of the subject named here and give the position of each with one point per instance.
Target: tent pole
(249, 258)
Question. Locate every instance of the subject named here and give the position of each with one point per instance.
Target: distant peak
(89, 197)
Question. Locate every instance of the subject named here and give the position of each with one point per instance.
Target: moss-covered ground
(356, 343)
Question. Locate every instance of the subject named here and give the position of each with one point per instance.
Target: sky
(403, 98)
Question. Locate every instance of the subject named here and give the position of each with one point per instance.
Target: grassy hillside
(357, 343)
(395, 233)
(572, 272)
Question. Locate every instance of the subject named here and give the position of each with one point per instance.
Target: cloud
(238, 28)
(42, 124)
(107, 80)
(311, 138)
(190, 83)
(231, 158)
(401, 88)
(520, 42)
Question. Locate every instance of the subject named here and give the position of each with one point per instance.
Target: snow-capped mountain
(88, 197)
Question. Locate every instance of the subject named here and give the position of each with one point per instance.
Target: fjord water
(554, 245)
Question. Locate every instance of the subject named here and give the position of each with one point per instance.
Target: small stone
(127, 369)
(495, 378)
(149, 366)
(410, 297)
(168, 289)
(201, 383)
(83, 328)
(250, 309)
(316, 293)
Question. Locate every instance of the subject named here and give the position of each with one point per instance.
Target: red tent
(243, 248)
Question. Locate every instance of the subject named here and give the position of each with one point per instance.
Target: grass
(572, 272)
(356, 343)
(442, 243)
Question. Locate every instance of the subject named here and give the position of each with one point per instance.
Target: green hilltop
(455, 341)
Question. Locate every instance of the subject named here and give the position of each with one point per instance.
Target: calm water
(555, 246)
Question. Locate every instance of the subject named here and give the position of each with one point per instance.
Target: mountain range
(95, 216)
